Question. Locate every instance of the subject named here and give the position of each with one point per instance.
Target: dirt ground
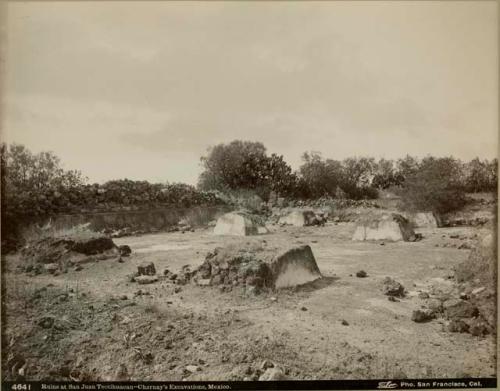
(341, 327)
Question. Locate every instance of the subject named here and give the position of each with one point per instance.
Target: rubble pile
(57, 254)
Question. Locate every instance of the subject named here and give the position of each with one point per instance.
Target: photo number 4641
(21, 387)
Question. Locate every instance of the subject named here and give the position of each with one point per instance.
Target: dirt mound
(257, 268)
(239, 224)
(392, 227)
(58, 253)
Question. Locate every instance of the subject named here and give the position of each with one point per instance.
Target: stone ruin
(257, 268)
(392, 227)
(239, 224)
(303, 218)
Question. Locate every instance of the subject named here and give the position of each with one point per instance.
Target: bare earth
(227, 336)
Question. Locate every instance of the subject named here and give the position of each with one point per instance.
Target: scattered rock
(124, 250)
(344, 322)
(361, 274)
(203, 282)
(146, 269)
(303, 309)
(421, 316)
(145, 279)
(391, 287)
(392, 298)
(51, 267)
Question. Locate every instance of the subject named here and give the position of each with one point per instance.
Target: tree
(406, 167)
(319, 177)
(435, 186)
(25, 171)
(480, 175)
(244, 165)
(385, 174)
(279, 175)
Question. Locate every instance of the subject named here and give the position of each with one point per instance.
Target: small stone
(123, 297)
(78, 268)
(392, 298)
(464, 296)
(192, 368)
(203, 282)
(145, 279)
(124, 250)
(423, 295)
(51, 267)
(391, 287)
(421, 316)
(265, 365)
(361, 274)
(303, 308)
(477, 291)
(344, 322)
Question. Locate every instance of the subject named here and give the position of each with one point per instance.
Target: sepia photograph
(224, 195)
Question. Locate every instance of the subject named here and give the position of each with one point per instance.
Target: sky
(140, 90)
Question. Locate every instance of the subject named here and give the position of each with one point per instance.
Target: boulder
(393, 227)
(239, 224)
(295, 266)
